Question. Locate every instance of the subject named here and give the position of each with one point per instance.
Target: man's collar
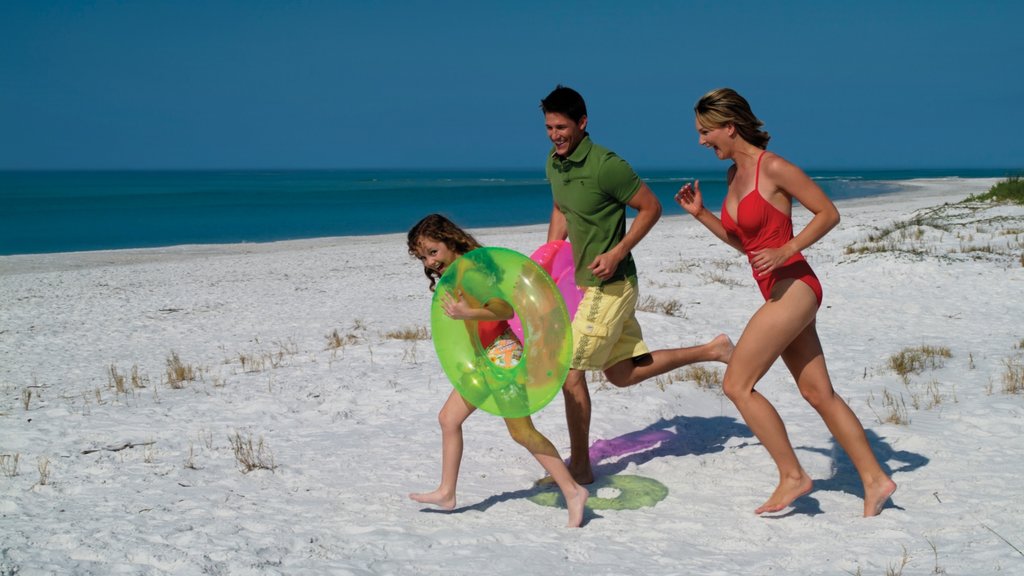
(580, 153)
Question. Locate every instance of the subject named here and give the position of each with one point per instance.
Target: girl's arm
(456, 306)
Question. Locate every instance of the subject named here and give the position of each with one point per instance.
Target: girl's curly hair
(440, 229)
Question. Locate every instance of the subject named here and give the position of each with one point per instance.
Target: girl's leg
(452, 415)
(767, 334)
(806, 362)
(523, 432)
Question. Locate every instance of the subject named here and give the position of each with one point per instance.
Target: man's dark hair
(565, 100)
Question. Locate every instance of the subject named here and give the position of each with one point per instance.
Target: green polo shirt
(592, 187)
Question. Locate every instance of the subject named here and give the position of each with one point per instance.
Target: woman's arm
(691, 200)
(794, 183)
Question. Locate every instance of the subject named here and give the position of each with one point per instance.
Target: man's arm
(648, 211)
(557, 228)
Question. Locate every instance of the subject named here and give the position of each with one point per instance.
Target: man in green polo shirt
(591, 187)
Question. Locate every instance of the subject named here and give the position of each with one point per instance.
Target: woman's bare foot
(876, 496)
(785, 493)
(437, 498)
(577, 504)
(723, 348)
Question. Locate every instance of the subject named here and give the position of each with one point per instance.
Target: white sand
(353, 430)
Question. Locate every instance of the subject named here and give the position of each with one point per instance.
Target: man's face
(564, 133)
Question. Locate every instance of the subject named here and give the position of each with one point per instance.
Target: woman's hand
(766, 260)
(690, 199)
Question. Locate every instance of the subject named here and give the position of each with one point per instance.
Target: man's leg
(635, 370)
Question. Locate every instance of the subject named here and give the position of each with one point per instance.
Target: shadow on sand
(844, 476)
(679, 436)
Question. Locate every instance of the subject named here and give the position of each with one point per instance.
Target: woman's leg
(454, 412)
(767, 334)
(523, 431)
(806, 362)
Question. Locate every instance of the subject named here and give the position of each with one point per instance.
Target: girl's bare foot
(576, 505)
(785, 493)
(437, 498)
(876, 496)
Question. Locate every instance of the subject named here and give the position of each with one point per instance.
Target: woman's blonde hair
(724, 106)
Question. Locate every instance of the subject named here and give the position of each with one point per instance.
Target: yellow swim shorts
(605, 330)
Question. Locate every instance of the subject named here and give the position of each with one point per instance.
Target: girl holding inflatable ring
(437, 242)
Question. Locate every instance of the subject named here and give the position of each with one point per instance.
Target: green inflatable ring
(525, 388)
(635, 492)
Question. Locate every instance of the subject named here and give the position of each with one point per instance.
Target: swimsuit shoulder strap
(757, 173)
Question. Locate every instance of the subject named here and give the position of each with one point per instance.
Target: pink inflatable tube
(556, 259)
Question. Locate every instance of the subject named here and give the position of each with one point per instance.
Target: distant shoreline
(937, 190)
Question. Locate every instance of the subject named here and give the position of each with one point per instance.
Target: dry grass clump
(894, 408)
(706, 378)
(336, 341)
(251, 456)
(179, 372)
(915, 360)
(1013, 377)
(667, 307)
(9, 464)
(121, 381)
(43, 465)
(409, 333)
(262, 359)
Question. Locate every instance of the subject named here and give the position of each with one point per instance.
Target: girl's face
(434, 255)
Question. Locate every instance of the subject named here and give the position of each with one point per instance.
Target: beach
(267, 408)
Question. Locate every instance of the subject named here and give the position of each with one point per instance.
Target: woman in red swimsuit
(756, 219)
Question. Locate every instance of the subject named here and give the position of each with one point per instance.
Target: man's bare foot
(576, 505)
(437, 498)
(785, 493)
(876, 497)
(723, 348)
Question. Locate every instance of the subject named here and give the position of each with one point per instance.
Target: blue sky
(256, 84)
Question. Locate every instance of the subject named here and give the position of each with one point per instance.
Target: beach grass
(251, 455)
(668, 307)
(916, 359)
(1013, 377)
(1009, 190)
(9, 464)
(409, 333)
(178, 372)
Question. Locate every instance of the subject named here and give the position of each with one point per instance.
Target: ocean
(45, 212)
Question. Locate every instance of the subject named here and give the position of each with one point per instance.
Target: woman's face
(434, 255)
(717, 139)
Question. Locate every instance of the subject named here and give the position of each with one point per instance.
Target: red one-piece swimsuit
(761, 225)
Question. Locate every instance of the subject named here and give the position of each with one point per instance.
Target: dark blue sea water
(44, 212)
